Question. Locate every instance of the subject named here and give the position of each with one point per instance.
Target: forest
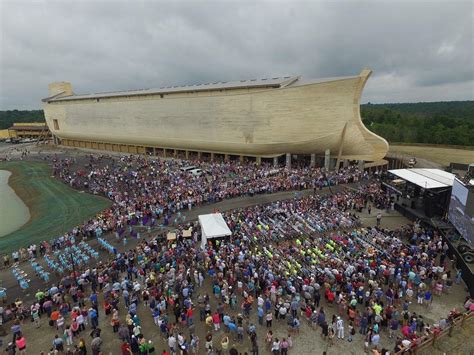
(7, 118)
(449, 123)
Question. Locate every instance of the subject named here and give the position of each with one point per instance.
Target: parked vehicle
(188, 168)
(196, 172)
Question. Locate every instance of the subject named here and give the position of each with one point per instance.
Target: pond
(13, 212)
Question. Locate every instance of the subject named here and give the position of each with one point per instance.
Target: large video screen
(459, 216)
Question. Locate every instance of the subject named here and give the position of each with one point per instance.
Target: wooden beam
(341, 145)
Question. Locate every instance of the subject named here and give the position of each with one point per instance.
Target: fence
(431, 340)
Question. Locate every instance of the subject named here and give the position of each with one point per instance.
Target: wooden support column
(313, 160)
(341, 146)
(212, 156)
(275, 161)
(199, 155)
(259, 160)
(288, 160)
(164, 152)
(154, 151)
(327, 159)
(226, 157)
(187, 154)
(175, 153)
(241, 158)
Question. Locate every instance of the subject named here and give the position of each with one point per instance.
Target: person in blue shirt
(93, 299)
(132, 309)
(93, 317)
(260, 315)
(268, 304)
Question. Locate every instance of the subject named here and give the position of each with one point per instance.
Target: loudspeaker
(429, 202)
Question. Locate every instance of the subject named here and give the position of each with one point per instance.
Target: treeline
(425, 122)
(7, 118)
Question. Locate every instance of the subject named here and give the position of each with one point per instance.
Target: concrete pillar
(275, 161)
(360, 164)
(164, 152)
(327, 159)
(187, 154)
(259, 160)
(226, 157)
(154, 151)
(175, 153)
(345, 163)
(199, 155)
(288, 160)
(313, 160)
(212, 156)
(241, 158)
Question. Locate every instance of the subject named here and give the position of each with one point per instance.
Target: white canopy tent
(212, 226)
(426, 178)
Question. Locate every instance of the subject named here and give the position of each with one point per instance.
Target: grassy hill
(55, 208)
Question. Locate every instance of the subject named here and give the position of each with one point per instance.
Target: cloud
(419, 50)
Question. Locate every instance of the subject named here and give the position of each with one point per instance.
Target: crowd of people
(306, 260)
(152, 190)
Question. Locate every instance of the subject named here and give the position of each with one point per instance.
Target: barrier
(431, 340)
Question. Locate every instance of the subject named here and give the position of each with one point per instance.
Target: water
(13, 212)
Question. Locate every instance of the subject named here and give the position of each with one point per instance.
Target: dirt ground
(442, 156)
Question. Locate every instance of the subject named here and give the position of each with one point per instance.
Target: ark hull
(298, 117)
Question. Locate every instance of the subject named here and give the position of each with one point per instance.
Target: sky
(418, 50)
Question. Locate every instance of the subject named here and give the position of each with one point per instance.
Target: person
(269, 339)
(340, 328)
(351, 331)
(225, 343)
(330, 336)
(36, 317)
(82, 347)
(58, 343)
(21, 343)
(125, 348)
(96, 343)
(375, 339)
(276, 347)
(269, 319)
(209, 343)
(379, 218)
(68, 336)
(284, 347)
(16, 329)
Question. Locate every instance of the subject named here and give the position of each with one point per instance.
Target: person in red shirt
(330, 296)
(125, 348)
(216, 319)
(55, 315)
(21, 344)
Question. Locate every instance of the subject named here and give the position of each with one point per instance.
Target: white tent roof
(426, 178)
(213, 225)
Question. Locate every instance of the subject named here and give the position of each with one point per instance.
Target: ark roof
(277, 82)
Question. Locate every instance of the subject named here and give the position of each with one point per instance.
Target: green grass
(55, 208)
